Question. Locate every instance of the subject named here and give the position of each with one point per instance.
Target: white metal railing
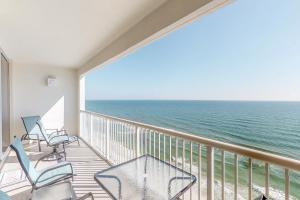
(216, 164)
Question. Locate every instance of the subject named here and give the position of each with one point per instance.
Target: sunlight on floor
(84, 161)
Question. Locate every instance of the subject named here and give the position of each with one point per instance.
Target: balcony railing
(224, 171)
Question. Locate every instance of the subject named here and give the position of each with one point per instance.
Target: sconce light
(51, 81)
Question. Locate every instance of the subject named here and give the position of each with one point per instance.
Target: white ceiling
(65, 33)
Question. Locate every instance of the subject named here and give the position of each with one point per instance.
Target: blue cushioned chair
(54, 141)
(45, 177)
(35, 130)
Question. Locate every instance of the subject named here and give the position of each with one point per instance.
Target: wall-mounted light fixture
(51, 81)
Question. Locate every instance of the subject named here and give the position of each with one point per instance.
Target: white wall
(58, 105)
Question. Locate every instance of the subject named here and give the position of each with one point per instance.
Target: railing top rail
(285, 162)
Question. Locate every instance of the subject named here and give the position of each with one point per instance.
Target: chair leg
(53, 153)
(23, 137)
(39, 144)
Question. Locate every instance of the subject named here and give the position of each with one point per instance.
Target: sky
(248, 50)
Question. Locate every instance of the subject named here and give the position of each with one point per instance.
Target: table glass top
(145, 177)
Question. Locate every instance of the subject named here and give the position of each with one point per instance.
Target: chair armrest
(52, 133)
(27, 136)
(60, 138)
(57, 132)
(62, 131)
(51, 129)
(54, 174)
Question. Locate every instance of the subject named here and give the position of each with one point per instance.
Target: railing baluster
(250, 179)
(176, 152)
(99, 135)
(170, 149)
(115, 144)
(154, 144)
(118, 142)
(164, 147)
(118, 139)
(125, 142)
(199, 171)
(146, 138)
(137, 146)
(267, 176)
(122, 142)
(210, 172)
(131, 143)
(112, 141)
(142, 142)
(183, 154)
(223, 174)
(108, 139)
(103, 139)
(159, 145)
(236, 175)
(191, 164)
(287, 184)
(150, 142)
(92, 129)
(128, 141)
(183, 158)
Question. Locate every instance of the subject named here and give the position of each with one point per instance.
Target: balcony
(213, 162)
(107, 141)
(43, 73)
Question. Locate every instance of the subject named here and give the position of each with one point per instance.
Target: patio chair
(45, 177)
(62, 190)
(34, 128)
(54, 141)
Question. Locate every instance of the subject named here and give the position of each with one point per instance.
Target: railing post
(107, 138)
(287, 184)
(210, 173)
(137, 142)
(267, 178)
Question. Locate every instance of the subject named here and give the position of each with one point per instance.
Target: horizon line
(243, 100)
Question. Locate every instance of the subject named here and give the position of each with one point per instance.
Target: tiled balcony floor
(84, 161)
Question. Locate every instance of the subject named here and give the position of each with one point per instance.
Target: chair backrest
(43, 130)
(31, 127)
(28, 167)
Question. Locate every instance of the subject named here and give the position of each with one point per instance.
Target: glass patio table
(145, 177)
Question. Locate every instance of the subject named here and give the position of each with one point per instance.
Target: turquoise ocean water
(269, 126)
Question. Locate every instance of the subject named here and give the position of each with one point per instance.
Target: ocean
(268, 126)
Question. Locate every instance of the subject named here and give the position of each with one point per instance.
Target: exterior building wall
(56, 104)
